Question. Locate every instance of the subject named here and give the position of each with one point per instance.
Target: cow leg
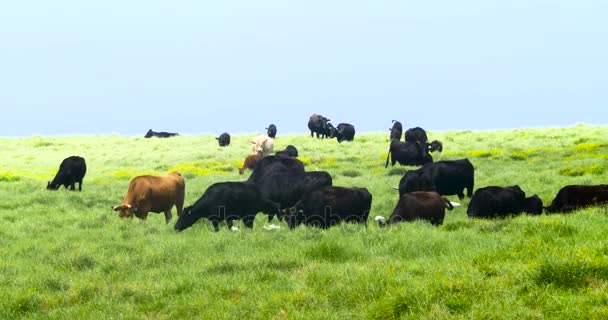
(80, 185)
(73, 186)
(248, 220)
(168, 216)
(461, 195)
(270, 217)
(216, 225)
(229, 223)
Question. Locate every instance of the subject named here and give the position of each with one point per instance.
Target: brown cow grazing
(250, 162)
(573, 197)
(153, 194)
(425, 205)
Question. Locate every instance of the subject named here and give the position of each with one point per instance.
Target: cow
(250, 162)
(424, 205)
(275, 165)
(396, 131)
(573, 197)
(262, 145)
(320, 125)
(153, 194)
(343, 132)
(287, 189)
(290, 151)
(224, 139)
(408, 153)
(271, 131)
(227, 201)
(71, 170)
(161, 134)
(496, 202)
(533, 205)
(444, 177)
(329, 206)
(416, 135)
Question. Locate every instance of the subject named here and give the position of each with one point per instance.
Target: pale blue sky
(103, 67)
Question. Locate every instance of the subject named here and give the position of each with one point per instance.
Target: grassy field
(67, 255)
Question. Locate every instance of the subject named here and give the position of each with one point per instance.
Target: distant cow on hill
(71, 170)
(271, 131)
(343, 132)
(573, 197)
(262, 145)
(224, 139)
(320, 125)
(424, 205)
(153, 194)
(396, 131)
(161, 134)
(416, 134)
(408, 153)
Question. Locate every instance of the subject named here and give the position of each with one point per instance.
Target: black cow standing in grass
(408, 153)
(343, 132)
(320, 125)
(396, 131)
(71, 170)
(275, 165)
(271, 131)
(224, 139)
(227, 201)
(424, 205)
(443, 177)
(329, 206)
(496, 202)
(573, 197)
(161, 134)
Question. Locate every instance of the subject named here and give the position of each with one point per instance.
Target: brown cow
(153, 194)
(250, 162)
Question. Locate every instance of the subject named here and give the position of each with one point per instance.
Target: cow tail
(388, 155)
(448, 204)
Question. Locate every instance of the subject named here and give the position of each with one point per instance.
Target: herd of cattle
(279, 186)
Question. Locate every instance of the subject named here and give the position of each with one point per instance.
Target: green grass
(67, 255)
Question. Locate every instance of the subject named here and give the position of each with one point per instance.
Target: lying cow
(329, 206)
(272, 131)
(290, 151)
(533, 205)
(396, 131)
(224, 139)
(250, 162)
(161, 134)
(408, 153)
(262, 145)
(575, 197)
(153, 194)
(443, 177)
(71, 170)
(424, 205)
(227, 201)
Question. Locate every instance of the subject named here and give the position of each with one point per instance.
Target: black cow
(272, 130)
(424, 205)
(496, 202)
(161, 134)
(275, 165)
(224, 139)
(408, 153)
(328, 206)
(573, 197)
(444, 177)
(343, 132)
(533, 205)
(416, 135)
(320, 125)
(290, 151)
(396, 131)
(287, 189)
(71, 170)
(227, 201)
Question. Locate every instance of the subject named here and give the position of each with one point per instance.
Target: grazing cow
(290, 151)
(227, 201)
(272, 131)
(424, 205)
(573, 197)
(320, 125)
(408, 153)
(287, 189)
(275, 165)
(250, 162)
(71, 170)
(262, 145)
(396, 131)
(153, 194)
(496, 202)
(161, 134)
(443, 177)
(328, 206)
(343, 132)
(224, 139)
(533, 205)
(416, 135)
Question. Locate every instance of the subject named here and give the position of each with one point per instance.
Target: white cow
(262, 145)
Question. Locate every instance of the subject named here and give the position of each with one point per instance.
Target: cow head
(52, 186)
(435, 146)
(125, 210)
(149, 134)
(186, 219)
